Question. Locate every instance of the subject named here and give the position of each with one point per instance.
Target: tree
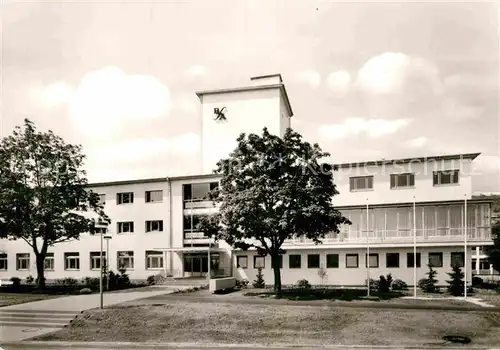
(493, 251)
(273, 189)
(428, 284)
(43, 192)
(259, 280)
(456, 284)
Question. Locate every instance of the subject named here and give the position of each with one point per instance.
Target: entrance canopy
(192, 250)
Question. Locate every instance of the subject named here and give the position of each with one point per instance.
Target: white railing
(396, 236)
(198, 203)
(194, 235)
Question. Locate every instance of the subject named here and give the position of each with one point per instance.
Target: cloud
(108, 97)
(486, 164)
(339, 82)
(310, 77)
(396, 73)
(195, 70)
(417, 142)
(55, 94)
(374, 128)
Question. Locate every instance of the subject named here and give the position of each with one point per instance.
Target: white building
(154, 220)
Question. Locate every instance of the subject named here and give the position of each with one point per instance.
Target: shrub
(347, 295)
(304, 284)
(85, 291)
(30, 279)
(91, 282)
(384, 285)
(16, 281)
(477, 281)
(259, 282)
(374, 284)
(398, 284)
(151, 280)
(242, 283)
(456, 284)
(70, 281)
(428, 285)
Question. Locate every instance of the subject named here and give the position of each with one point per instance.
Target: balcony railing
(199, 203)
(194, 235)
(474, 234)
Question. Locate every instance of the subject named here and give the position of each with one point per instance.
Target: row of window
(443, 177)
(352, 260)
(155, 196)
(154, 260)
(128, 227)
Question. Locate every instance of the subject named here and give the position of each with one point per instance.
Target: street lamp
(107, 238)
(101, 263)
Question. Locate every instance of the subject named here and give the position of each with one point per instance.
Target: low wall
(219, 284)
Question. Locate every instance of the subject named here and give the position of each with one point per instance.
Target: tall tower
(226, 113)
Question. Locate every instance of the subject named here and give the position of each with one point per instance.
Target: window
(125, 197)
(125, 259)
(102, 198)
(259, 261)
(23, 261)
(48, 263)
(242, 261)
(3, 261)
(332, 261)
(361, 183)
(373, 260)
(154, 196)
(72, 261)
(409, 259)
(294, 261)
(199, 191)
(351, 260)
(446, 177)
(99, 230)
(313, 261)
(457, 259)
(392, 259)
(280, 261)
(436, 259)
(124, 227)
(95, 260)
(154, 259)
(402, 180)
(156, 225)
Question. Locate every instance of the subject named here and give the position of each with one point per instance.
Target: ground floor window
(436, 259)
(259, 261)
(125, 259)
(457, 258)
(72, 261)
(3, 261)
(23, 261)
(95, 260)
(392, 259)
(351, 260)
(48, 262)
(373, 260)
(294, 261)
(242, 261)
(313, 261)
(154, 259)
(332, 261)
(410, 257)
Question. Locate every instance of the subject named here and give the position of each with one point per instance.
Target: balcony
(199, 203)
(439, 235)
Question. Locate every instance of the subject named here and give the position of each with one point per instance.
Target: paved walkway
(24, 321)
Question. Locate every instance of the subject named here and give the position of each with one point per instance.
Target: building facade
(394, 206)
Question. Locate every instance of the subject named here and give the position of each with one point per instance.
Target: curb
(132, 345)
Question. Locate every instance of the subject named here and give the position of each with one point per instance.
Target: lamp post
(107, 238)
(100, 276)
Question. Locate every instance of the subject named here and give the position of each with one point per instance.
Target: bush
(398, 284)
(374, 284)
(70, 281)
(259, 282)
(477, 282)
(347, 295)
(385, 283)
(151, 280)
(428, 285)
(16, 281)
(155, 279)
(30, 279)
(303, 284)
(91, 282)
(242, 283)
(85, 291)
(456, 284)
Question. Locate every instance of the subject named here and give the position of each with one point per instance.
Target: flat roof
(152, 180)
(281, 87)
(471, 156)
(267, 76)
(409, 204)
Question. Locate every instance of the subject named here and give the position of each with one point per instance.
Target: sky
(366, 80)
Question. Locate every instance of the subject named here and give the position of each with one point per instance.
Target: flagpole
(367, 247)
(414, 251)
(465, 247)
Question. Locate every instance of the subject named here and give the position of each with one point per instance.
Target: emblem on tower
(220, 114)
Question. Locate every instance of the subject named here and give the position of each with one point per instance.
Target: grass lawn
(488, 296)
(179, 321)
(7, 299)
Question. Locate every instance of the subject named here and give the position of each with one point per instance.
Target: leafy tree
(493, 251)
(43, 192)
(456, 284)
(273, 189)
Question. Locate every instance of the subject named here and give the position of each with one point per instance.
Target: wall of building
(343, 276)
(424, 190)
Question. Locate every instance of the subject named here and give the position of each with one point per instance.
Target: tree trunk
(277, 275)
(40, 281)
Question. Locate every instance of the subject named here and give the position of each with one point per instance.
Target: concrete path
(197, 346)
(24, 321)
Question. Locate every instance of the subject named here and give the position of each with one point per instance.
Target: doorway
(196, 264)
